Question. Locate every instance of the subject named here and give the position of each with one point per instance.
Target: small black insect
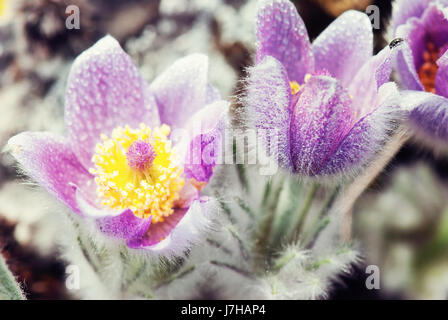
(395, 43)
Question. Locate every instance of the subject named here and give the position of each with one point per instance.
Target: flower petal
(180, 230)
(207, 129)
(415, 35)
(182, 89)
(124, 226)
(406, 69)
(428, 113)
(344, 46)
(117, 224)
(367, 135)
(322, 117)
(281, 33)
(435, 21)
(49, 160)
(442, 76)
(158, 231)
(374, 73)
(406, 9)
(104, 90)
(432, 26)
(268, 103)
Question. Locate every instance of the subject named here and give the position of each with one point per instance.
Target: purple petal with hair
(415, 35)
(406, 69)
(432, 26)
(104, 90)
(49, 160)
(375, 72)
(428, 113)
(180, 230)
(436, 23)
(367, 135)
(344, 46)
(207, 128)
(427, 23)
(321, 118)
(268, 102)
(124, 226)
(158, 231)
(408, 9)
(202, 156)
(281, 33)
(182, 89)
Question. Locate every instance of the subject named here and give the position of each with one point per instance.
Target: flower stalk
(305, 210)
(344, 205)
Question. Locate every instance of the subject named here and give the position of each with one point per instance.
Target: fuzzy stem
(267, 191)
(305, 209)
(264, 232)
(283, 261)
(322, 220)
(9, 288)
(345, 204)
(234, 268)
(176, 276)
(240, 169)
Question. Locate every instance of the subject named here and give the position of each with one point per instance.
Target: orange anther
(428, 71)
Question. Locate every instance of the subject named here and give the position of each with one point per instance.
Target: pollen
(138, 169)
(428, 71)
(295, 87)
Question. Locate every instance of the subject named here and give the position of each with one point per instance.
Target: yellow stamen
(428, 71)
(150, 190)
(295, 87)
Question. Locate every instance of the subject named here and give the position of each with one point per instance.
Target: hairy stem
(263, 234)
(243, 272)
(304, 210)
(344, 205)
(322, 219)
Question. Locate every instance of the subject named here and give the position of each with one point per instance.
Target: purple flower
(326, 106)
(423, 64)
(119, 163)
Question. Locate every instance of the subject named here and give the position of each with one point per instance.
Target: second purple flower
(329, 103)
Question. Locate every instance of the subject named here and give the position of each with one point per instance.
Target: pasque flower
(329, 104)
(120, 164)
(423, 63)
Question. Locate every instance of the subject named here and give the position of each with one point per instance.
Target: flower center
(140, 155)
(138, 169)
(428, 71)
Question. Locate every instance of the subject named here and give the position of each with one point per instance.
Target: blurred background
(401, 222)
